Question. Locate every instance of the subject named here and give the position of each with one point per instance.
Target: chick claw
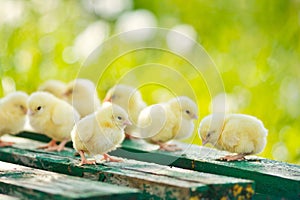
(169, 147)
(229, 158)
(55, 148)
(5, 144)
(84, 161)
(109, 158)
(52, 146)
(87, 162)
(59, 147)
(52, 143)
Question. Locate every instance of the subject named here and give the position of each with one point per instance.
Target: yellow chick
(82, 95)
(13, 109)
(130, 99)
(55, 87)
(100, 132)
(53, 117)
(163, 122)
(236, 133)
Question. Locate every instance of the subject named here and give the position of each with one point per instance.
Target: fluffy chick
(130, 99)
(82, 95)
(13, 109)
(163, 122)
(53, 117)
(100, 133)
(55, 87)
(236, 133)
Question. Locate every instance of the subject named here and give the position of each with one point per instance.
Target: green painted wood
(29, 183)
(271, 177)
(155, 181)
(7, 197)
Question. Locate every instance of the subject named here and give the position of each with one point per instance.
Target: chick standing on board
(163, 122)
(82, 95)
(53, 117)
(13, 109)
(236, 133)
(54, 87)
(131, 101)
(100, 132)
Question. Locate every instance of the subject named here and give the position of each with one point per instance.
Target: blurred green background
(254, 44)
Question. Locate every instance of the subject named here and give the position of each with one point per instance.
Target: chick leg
(109, 158)
(84, 161)
(59, 147)
(130, 137)
(234, 157)
(52, 143)
(5, 144)
(168, 147)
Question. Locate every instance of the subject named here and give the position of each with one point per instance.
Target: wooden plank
(29, 183)
(7, 197)
(271, 177)
(155, 181)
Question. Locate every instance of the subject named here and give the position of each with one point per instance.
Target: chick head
(115, 114)
(78, 89)
(187, 107)
(122, 94)
(39, 102)
(16, 102)
(210, 128)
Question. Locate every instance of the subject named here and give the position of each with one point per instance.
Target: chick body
(13, 109)
(239, 133)
(54, 87)
(100, 132)
(130, 100)
(52, 116)
(82, 95)
(163, 122)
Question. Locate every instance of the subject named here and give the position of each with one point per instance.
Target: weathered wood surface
(271, 177)
(7, 197)
(155, 181)
(29, 183)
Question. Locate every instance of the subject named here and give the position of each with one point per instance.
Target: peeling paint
(237, 190)
(193, 164)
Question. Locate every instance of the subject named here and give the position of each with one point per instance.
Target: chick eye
(187, 112)
(119, 118)
(39, 108)
(209, 133)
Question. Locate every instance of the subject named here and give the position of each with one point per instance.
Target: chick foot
(237, 157)
(169, 147)
(5, 144)
(109, 158)
(59, 147)
(84, 161)
(52, 143)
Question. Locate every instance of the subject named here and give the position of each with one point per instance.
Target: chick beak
(67, 93)
(195, 116)
(204, 142)
(24, 110)
(30, 112)
(127, 122)
(107, 100)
